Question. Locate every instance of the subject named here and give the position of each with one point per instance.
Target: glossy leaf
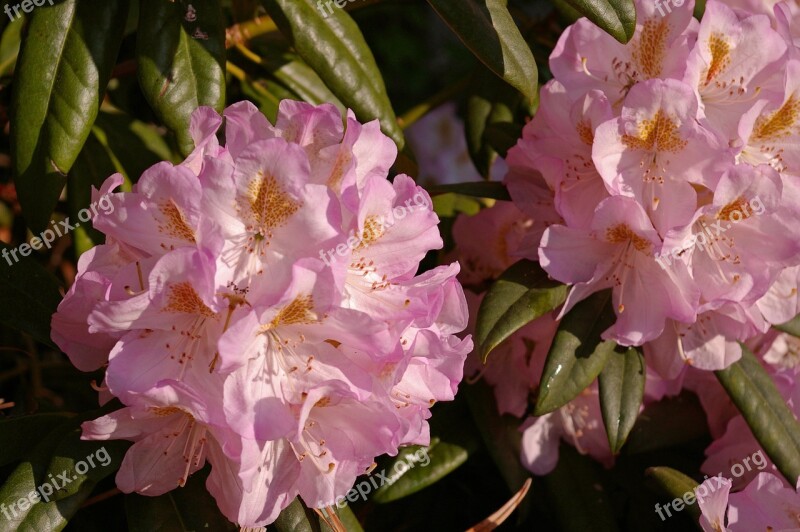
(488, 30)
(772, 422)
(621, 392)
(181, 62)
(615, 17)
(577, 355)
(521, 294)
(335, 48)
(675, 485)
(29, 294)
(61, 76)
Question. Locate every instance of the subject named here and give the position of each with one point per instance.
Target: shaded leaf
(480, 189)
(61, 76)
(578, 354)
(675, 485)
(488, 30)
(29, 295)
(17, 433)
(493, 102)
(773, 424)
(667, 423)
(521, 294)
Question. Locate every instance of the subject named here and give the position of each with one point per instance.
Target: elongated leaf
(297, 518)
(521, 294)
(493, 102)
(187, 509)
(621, 393)
(454, 439)
(675, 485)
(615, 17)
(335, 48)
(9, 45)
(577, 355)
(61, 76)
(480, 189)
(752, 391)
(488, 30)
(671, 422)
(577, 494)
(57, 476)
(29, 295)
(181, 61)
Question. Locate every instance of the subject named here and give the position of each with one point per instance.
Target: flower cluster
(668, 170)
(253, 309)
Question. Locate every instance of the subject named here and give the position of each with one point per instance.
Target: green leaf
(773, 424)
(181, 62)
(29, 294)
(187, 509)
(792, 326)
(488, 30)
(577, 355)
(493, 102)
(615, 17)
(296, 518)
(454, 439)
(9, 45)
(675, 485)
(335, 48)
(61, 458)
(621, 393)
(577, 494)
(502, 136)
(61, 76)
(521, 294)
(479, 189)
(17, 433)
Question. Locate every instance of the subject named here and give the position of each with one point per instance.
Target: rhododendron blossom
(230, 340)
(680, 193)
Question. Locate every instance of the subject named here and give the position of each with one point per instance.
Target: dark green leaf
(675, 485)
(521, 294)
(671, 422)
(9, 46)
(60, 455)
(181, 62)
(488, 30)
(502, 136)
(61, 76)
(773, 424)
(297, 518)
(615, 17)
(493, 102)
(187, 509)
(335, 48)
(29, 295)
(577, 494)
(577, 355)
(480, 189)
(621, 393)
